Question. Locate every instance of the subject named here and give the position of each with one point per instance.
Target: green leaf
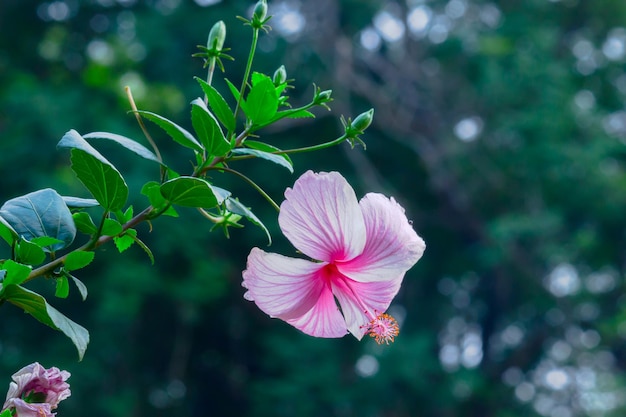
(125, 216)
(82, 288)
(177, 133)
(62, 287)
(220, 193)
(6, 413)
(44, 241)
(152, 190)
(84, 223)
(277, 159)
(6, 232)
(100, 177)
(234, 91)
(40, 213)
(103, 181)
(293, 114)
(111, 227)
(261, 146)
(257, 77)
(262, 101)
(76, 202)
(218, 105)
(78, 259)
(234, 206)
(190, 192)
(128, 143)
(16, 272)
(172, 174)
(29, 253)
(208, 130)
(37, 306)
(126, 240)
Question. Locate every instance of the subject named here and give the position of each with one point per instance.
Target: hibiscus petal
(322, 218)
(355, 298)
(24, 409)
(392, 246)
(280, 286)
(324, 319)
(21, 379)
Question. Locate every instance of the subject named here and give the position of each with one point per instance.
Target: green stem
(100, 226)
(92, 244)
(133, 107)
(209, 77)
(255, 38)
(321, 146)
(286, 114)
(155, 148)
(253, 185)
(324, 145)
(208, 215)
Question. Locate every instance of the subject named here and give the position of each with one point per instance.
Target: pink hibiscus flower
(36, 390)
(361, 250)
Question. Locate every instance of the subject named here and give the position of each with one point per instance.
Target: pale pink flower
(24, 409)
(42, 389)
(361, 250)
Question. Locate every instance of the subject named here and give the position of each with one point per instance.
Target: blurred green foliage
(500, 126)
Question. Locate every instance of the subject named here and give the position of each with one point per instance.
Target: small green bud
(217, 36)
(280, 76)
(362, 121)
(260, 11)
(323, 96)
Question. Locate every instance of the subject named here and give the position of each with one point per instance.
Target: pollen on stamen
(383, 329)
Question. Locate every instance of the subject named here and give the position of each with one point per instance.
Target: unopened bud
(363, 120)
(260, 11)
(217, 36)
(280, 76)
(324, 96)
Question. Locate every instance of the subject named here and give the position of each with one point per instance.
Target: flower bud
(280, 76)
(363, 120)
(323, 96)
(260, 11)
(217, 35)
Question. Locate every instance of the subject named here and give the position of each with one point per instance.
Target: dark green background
(516, 308)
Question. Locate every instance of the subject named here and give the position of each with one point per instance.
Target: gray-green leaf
(100, 177)
(77, 202)
(40, 213)
(177, 133)
(128, 143)
(190, 192)
(37, 306)
(277, 159)
(234, 206)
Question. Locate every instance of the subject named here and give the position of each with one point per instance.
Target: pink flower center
(383, 328)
